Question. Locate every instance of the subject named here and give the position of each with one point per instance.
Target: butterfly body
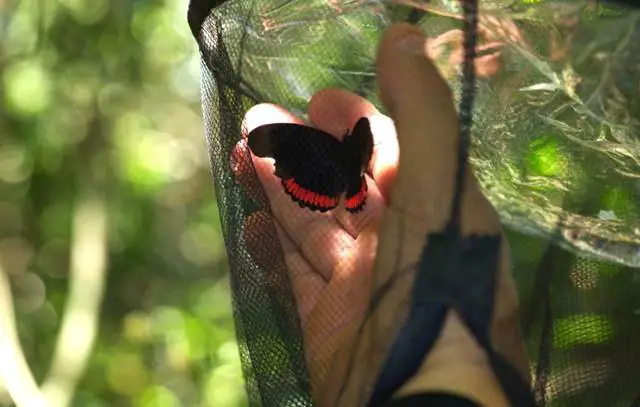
(316, 168)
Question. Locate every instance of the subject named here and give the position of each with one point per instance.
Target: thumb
(426, 122)
(421, 104)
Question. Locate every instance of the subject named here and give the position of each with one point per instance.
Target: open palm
(329, 256)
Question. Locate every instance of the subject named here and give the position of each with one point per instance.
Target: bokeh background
(104, 176)
(111, 252)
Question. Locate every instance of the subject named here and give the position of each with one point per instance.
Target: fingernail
(414, 43)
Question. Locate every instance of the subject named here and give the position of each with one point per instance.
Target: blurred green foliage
(102, 97)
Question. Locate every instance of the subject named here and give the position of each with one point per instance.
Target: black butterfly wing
(308, 161)
(359, 149)
(356, 195)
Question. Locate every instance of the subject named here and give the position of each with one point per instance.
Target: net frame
(225, 97)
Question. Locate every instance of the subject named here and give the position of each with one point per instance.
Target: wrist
(457, 365)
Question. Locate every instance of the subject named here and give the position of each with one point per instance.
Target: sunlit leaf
(158, 396)
(581, 330)
(168, 323)
(148, 158)
(55, 222)
(619, 201)
(81, 81)
(214, 302)
(27, 87)
(87, 12)
(21, 34)
(126, 373)
(545, 158)
(224, 387)
(30, 292)
(15, 163)
(137, 327)
(113, 98)
(86, 399)
(197, 338)
(229, 354)
(202, 244)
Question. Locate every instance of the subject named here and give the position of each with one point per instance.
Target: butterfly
(315, 168)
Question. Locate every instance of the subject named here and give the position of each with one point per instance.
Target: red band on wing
(356, 202)
(309, 198)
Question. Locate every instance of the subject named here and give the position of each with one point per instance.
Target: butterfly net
(556, 148)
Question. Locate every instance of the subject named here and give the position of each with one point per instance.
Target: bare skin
(336, 260)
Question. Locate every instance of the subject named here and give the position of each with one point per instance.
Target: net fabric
(556, 149)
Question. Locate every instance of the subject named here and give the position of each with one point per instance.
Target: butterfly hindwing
(308, 161)
(358, 150)
(361, 144)
(356, 195)
(307, 198)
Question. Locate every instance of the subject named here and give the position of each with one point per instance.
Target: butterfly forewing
(315, 167)
(308, 160)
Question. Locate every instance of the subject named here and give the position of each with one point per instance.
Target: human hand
(330, 257)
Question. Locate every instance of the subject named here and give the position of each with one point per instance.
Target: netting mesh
(556, 149)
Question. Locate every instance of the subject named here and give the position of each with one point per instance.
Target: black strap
(454, 273)
(432, 400)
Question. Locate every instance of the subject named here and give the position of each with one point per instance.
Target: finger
(385, 154)
(320, 238)
(341, 305)
(306, 282)
(240, 161)
(261, 238)
(265, 240)
(421, 104)
(242, 168)
(267, 113)
(336, 111)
